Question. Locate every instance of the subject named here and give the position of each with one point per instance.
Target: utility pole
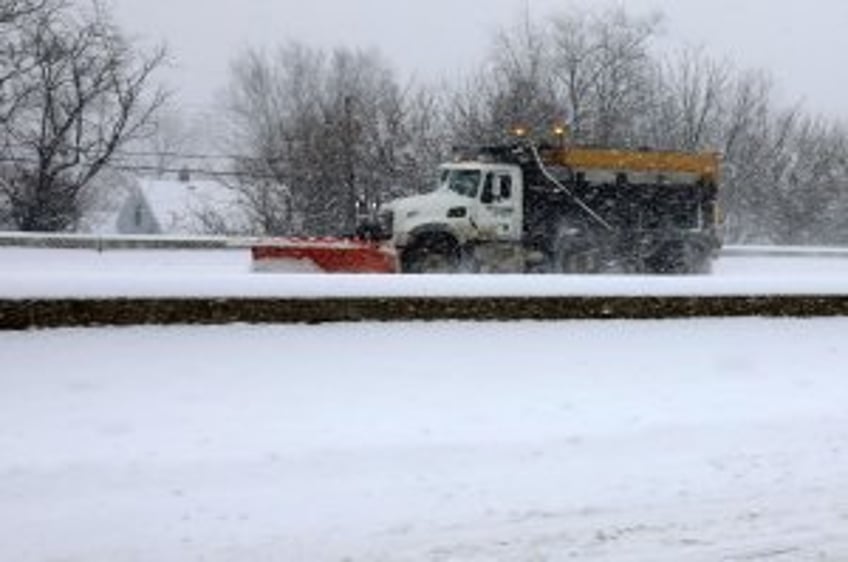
(349, 162)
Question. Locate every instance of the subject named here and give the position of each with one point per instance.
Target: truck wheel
(576, 254)
(580, 262)
(433, 255)
(678, 258)
(702, 265)
(668, 259)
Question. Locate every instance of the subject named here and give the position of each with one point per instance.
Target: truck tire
(432, 254)
(679, 258)
(576, 253)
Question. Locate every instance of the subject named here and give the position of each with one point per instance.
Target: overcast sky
(802, 43)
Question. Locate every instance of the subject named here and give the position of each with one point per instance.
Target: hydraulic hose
(567, 191)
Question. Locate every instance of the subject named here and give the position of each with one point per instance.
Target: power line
(158, 169)
(169, 154)
(192, 171)
(191, 156)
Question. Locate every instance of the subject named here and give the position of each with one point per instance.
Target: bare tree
(589, 70)
(467, 115)
(602, 64)
(85, 93)
(326, 134)
(751, 143)
(16, 60)
(423, 143)
(686, 104)
(12, 10)
(513, 91)
(522, 94)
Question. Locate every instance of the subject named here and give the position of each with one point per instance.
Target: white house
(152, 206)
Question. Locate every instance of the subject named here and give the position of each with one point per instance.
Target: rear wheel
(679, 258)
(577, 252)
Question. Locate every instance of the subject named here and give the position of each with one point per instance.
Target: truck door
(500, 210)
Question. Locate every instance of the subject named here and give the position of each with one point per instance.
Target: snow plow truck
(527, 209)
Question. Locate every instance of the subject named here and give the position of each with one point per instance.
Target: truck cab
(473, 204)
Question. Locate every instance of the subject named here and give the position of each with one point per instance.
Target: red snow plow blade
(329, 255)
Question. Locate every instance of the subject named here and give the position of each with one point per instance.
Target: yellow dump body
(705, 165)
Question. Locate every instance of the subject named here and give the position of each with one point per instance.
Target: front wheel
(436, 255)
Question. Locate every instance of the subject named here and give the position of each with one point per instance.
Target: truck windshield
(464, 182)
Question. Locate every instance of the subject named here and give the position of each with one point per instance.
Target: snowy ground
(685, 440)
(697, 440)
(64, 273)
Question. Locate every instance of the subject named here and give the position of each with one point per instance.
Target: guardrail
(124, 242)
(156, 242)
(784, 252)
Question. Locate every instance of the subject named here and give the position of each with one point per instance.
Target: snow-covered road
(227, 273)
(696, 440)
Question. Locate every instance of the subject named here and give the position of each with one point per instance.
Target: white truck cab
(474, 202)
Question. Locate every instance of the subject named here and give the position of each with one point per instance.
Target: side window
(506, 187)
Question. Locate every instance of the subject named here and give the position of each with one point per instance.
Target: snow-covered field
(699, 440)
(213, 273)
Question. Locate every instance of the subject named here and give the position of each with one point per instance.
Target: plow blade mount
(328, 255)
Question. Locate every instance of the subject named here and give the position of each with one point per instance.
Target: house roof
(104, 202)
(179, 207)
